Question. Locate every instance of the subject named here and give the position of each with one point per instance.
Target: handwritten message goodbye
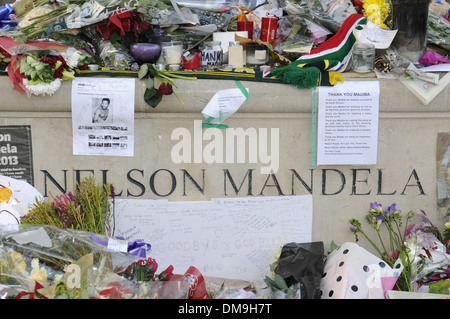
(234, 238)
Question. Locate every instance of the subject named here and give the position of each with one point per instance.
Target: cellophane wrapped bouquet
(47, 262)
(414, 241)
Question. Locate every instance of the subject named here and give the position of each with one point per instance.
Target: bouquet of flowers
(40, 67)
(45, 261)
(89, 208)
(379, 12)
(43, 73)
(414, 241)
(428, 251)
(142, 282)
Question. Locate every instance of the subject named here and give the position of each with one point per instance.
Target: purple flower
(391, 209)
(375, 205)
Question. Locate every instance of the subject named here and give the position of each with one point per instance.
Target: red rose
(165, 89)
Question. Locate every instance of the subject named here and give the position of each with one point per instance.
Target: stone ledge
(395, 97)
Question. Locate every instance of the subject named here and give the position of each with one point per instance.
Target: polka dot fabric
(351, 272)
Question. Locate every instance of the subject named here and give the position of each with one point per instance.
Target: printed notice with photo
(103, 116)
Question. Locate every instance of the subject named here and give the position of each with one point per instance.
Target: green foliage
(279, 284)
(90, 209)
(154, 79)
(440, 287)
(35, 70)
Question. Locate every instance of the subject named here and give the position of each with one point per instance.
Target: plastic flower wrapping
(56, 261)
(64, 248)
(428, 253)
(38, 68)
(411, 243)
(47, 262)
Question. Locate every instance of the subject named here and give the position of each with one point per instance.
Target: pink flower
(61, 202)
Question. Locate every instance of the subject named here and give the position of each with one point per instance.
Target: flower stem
(372, 243)
(178, 97)
(167, 78)
(181, 77)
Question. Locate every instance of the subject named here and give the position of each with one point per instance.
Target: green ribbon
(314, 127)
(207, 123)
(242, 88)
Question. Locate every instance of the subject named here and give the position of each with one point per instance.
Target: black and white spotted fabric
(351, 272)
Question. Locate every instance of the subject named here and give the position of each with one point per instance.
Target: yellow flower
(18, 261)
(376, 11)
(37, 274)
(68, 75)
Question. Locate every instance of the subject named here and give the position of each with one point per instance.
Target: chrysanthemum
(43, 88)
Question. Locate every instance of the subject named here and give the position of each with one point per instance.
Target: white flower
(74, 57)
(37, 273)
(43, 88)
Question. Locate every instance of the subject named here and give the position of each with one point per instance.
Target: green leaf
(149, 83)
(22, 38)
(281, 283)
(143, 70)
(115, 38)
(157, 82)
(333, 245)
(270, 282)
(152, 97)
(30, 59)
(152, 70)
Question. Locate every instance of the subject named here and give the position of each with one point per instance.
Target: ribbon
(137, 247)
(5, 11)
(207, 123)
(242, 88)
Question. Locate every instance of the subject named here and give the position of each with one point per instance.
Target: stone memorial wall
(175, 159)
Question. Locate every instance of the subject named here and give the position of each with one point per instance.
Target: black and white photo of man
(102, 113)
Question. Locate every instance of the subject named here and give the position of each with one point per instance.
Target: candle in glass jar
(256, 54)
(172, 52)
(212, 54)
(363, 57)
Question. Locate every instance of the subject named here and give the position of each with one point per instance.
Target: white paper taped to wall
(234, 238)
